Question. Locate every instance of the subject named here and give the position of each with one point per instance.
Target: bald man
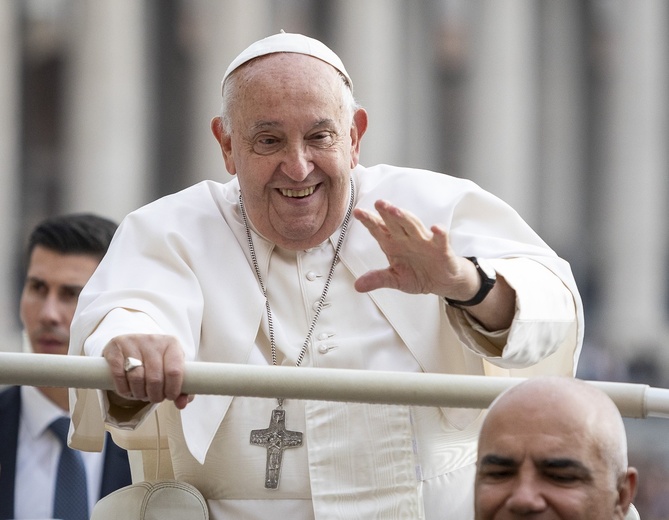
(553, 447)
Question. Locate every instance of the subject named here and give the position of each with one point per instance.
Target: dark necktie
(71, 500)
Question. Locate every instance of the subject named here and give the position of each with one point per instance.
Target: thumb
(375, 279)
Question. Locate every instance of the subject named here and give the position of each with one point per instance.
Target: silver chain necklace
(276, 438)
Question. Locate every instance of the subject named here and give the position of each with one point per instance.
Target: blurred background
(559, 107)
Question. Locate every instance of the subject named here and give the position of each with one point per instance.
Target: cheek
(68, 310)
(574, 503)
(336, 166)
(489, 497)
(27, 307)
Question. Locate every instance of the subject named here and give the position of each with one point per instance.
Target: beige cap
(288, 42)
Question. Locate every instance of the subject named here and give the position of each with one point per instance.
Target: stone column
(222, 29)
(562, 142)
(9, 171)
(420, 139)
(631, 255)
(371, 40)
(501, 111)
(109, 145)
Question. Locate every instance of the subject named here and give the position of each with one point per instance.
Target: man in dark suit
(62, 254)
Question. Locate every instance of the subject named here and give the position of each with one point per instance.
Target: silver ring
(132, 363)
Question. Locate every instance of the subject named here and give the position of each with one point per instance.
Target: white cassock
(181, 266)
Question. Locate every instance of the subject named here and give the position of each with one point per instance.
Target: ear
(358, 129)
(627, 490)
(225, 142)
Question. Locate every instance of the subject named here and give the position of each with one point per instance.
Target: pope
(308, 258)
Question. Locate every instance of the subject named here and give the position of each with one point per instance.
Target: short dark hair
(75, 233)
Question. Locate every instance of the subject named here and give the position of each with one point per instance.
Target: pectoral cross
(276, 439)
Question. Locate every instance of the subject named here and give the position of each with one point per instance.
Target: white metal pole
(326, 384)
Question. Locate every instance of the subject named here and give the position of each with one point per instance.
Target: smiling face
(552, 455)
(293, 142)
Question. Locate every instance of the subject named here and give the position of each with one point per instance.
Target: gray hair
(230, 87)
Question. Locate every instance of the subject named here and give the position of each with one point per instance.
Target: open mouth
(297, 193)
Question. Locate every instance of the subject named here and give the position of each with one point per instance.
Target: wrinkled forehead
(288, 43)
(282, 90)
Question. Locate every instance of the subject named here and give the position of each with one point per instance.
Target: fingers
(113, 353)
(376, 279)
(148, 384)
(440, 238)
(374, 223)
(173, 361)
(398, 222)
(401, 222)
(183, 399)
(392, 221)
(420, 259)
(136, 383)
(161, 371)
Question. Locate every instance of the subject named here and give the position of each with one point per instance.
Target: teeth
(297, 193)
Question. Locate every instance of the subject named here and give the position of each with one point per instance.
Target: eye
(564, 477)
(566, 472)
(266, 144)
(36, 287)
(323, 139)
(492, 474)
(70, 294)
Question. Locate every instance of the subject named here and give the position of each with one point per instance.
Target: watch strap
(487, 284)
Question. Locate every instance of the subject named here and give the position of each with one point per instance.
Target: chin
(297, 237)
(51, 349)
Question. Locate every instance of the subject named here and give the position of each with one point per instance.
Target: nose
(526, 497)
(50, 311)
(297, 163)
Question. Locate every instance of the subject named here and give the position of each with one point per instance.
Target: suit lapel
(10, 411)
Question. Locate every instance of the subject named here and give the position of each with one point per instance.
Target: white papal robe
(182, 266)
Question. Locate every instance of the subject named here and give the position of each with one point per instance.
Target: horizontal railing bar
(326, 384)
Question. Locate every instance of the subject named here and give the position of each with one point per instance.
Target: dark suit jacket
(116, 472)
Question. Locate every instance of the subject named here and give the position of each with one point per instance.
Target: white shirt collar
(37, 411)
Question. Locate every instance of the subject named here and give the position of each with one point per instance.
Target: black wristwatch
(488, 278)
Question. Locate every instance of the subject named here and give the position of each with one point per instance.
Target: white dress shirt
(37, 459)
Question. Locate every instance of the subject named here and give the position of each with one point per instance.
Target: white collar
(37, 411)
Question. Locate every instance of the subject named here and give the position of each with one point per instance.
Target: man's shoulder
(382, 174)
(404, 185)
(205, 199)
(199, 193)
(10, 399)
(10, 394)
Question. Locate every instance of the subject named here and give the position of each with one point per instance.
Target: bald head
(553, 444)
(554, 402)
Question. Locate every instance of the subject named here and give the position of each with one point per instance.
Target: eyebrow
(37, 279)
(555, 463)
(261, 125)
(564, 463)
(498, 460)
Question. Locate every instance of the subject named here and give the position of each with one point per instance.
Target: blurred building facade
(560, 107)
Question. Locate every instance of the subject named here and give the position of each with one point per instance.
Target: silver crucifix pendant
(276, 439)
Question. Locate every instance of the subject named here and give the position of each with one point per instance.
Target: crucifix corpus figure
(276, 439)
